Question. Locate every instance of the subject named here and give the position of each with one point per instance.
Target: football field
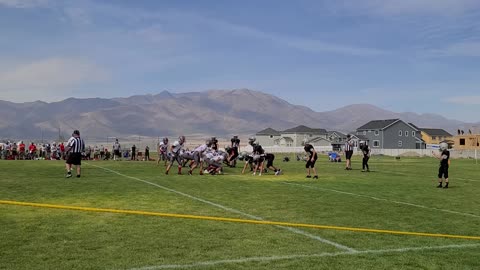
(130, 215)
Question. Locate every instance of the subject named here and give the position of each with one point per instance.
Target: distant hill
(216, 112)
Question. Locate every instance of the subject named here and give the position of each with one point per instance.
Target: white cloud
(303, 44)
(24, 3)
(467, 48)
(403, 7)
(157, 34)
(49, 79)
(464, 100)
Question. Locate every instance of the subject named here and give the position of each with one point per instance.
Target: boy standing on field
(444, 158)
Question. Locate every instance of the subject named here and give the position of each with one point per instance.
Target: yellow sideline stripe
(249, 221)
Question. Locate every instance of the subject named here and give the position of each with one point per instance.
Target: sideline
(299, 256)
(237, 220)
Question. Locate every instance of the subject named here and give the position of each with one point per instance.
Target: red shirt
(22, 147)
(32, 148)
(62, 147)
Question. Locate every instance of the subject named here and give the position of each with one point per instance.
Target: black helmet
(208, 142)
(76, 132)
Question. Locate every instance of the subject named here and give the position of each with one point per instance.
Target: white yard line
(434, 177)
(382, 199)
(301, 256)
(228, 209)
(464, 179)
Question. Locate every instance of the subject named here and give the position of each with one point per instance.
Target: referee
(348, 152)
(74, 150)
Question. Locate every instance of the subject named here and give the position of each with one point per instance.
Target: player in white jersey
(116, 150)
(176, 148)
(198, 154)
(163, 151)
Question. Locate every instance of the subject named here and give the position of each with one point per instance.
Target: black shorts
(74, 159)
(348, 154)
(234, 152)
(116, 153)
(270, 158)
(443, 171)
(310, 163)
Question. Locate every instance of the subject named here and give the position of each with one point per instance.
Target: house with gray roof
(391, 134)
(294, 137)
(337, 139)
(436, 136)
(268, 136)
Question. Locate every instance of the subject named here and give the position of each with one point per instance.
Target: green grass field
(398, 195)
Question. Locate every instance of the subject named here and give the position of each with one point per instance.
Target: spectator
(147, 153)
(14, 151)
(102, 152)
(32, 151)
(21, 150)
(134, 152)
(62, 151)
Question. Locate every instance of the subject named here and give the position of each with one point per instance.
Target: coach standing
(75, 148)
(348, 152)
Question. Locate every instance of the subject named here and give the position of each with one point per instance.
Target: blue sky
(412, 55)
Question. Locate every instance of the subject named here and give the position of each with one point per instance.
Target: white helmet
(443, 146)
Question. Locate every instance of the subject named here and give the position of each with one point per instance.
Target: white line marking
(464, 179)
(435, 178)
(385, 200)
(301, 256)
(228, 209)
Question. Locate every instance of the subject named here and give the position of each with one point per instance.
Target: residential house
(293, 137)
(436, 136)
(337, 139)
(391, 134)
(268, 136)
(301, 134)
(467, 142)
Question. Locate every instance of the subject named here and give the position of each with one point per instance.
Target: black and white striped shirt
(76, 145)
(349, 145)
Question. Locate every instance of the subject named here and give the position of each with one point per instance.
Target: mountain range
(215, 112)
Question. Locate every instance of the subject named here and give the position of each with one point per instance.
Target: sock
(446, 184)
(440, 184)
(179, 170)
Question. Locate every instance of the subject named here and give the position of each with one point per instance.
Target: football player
(163, 151)
(198, 154)
(175, 154)
(312, 158)
(444, 158)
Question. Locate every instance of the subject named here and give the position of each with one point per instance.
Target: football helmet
(443, 146)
